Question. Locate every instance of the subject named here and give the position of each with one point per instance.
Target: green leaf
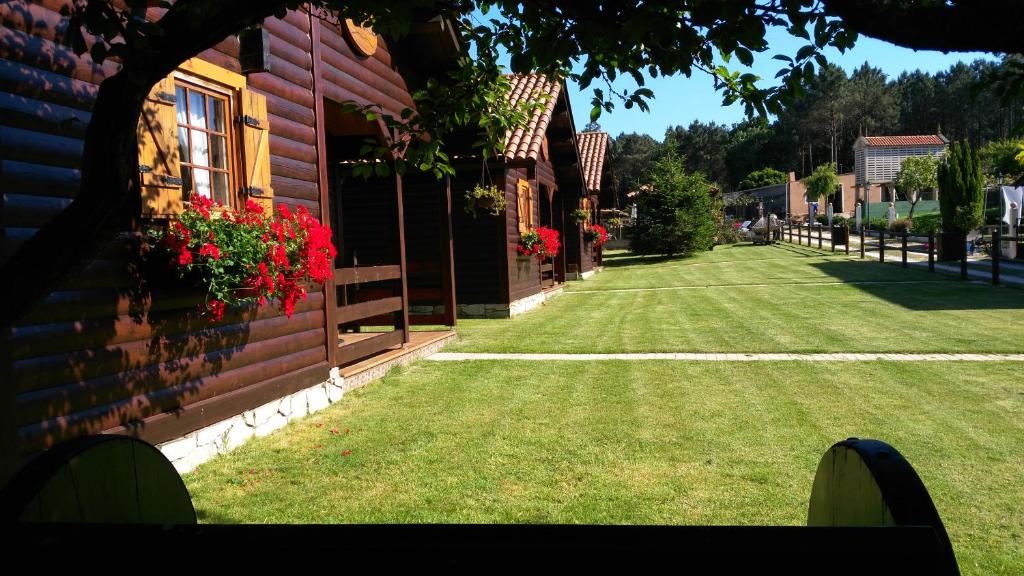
(744, 55)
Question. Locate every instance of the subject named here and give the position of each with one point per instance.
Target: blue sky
(680, 100)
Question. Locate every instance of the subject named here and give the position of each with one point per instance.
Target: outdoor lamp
(254, 50)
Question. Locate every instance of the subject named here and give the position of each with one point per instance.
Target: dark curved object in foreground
(869, 483)
(869, 514)
(103, 478)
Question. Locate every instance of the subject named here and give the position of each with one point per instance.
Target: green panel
(105, 482)
(845, 493)
(163, 498)
(57, 501)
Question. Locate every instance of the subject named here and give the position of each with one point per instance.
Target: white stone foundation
(583, 276)
(521, 306)
(194, 448)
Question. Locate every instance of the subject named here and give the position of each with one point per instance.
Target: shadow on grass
(212, 517)
(945, 293)
(630, 259)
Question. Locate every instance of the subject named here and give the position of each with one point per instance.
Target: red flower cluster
(542, 242)
(245, 256)
(597, 234)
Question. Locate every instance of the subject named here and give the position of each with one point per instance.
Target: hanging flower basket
(580, 215)
(542, 242)
(243, 256)
(597, 234)
(488, 199)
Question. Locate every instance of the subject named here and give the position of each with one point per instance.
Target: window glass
(216, 108)
(204, 142)
(196, 109)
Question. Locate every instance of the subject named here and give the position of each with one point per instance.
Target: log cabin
(586, 259)
(108, 353)
(540, 173)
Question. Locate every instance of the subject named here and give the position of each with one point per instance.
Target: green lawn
(665, 442)
(750, 299)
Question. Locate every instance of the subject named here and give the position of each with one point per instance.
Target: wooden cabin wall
(480, 259)
(104, 353)
(523, 273)
(586, 255)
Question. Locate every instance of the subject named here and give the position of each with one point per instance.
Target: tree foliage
(1002, 159)
(674, 217)
(961, 193)
(918, 174)
(822, 183)
(761, 178)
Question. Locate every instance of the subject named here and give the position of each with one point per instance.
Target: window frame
(233, 152)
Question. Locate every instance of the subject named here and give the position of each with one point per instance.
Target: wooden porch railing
(372, 311)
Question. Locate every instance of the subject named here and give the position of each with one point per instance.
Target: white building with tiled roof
(877, 160)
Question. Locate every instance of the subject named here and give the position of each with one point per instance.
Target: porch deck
(421, 343)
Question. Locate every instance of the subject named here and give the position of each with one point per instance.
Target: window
(524, 205)
(205, 149)
(203, 131)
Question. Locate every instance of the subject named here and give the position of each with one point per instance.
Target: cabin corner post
(502, 227)
(561, 258)
(401, 259)
(330, 287)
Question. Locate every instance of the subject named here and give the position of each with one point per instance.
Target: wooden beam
(360, 349)
(401, 260)
(363, 274)
(354, 312)
(448, 255)
(323, 187)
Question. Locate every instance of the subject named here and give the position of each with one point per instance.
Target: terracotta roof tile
(525, 142)
(926, 140)
(592, 150)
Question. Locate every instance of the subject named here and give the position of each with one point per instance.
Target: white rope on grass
(730, 357)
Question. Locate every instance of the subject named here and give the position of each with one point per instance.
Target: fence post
(862, 242)
(799, 234)
(832, 238)
(881, 246)
(997, 250)
(819, 235)
(903, 247)
(847, 239)
(963, 257)
(931, 251)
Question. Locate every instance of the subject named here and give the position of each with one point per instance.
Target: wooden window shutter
(160, 172)
(256, 149)
(523, 205)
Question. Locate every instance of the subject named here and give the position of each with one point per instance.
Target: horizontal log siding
(523, 273)
(95, 356)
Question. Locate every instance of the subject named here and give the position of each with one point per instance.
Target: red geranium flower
(210, 250)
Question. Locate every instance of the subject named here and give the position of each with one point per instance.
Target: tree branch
(960, 26)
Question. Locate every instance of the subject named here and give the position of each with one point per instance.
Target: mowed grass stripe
(709, 286)
(866, 307)
(635, 443)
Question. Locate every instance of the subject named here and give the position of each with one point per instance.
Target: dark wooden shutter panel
(255, 129)
(159, 166)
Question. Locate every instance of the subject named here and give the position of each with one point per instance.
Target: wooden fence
(901, 244)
